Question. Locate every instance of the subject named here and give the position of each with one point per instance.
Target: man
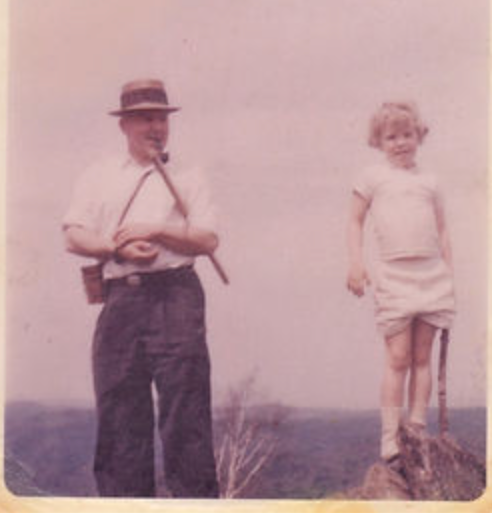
(151, 330)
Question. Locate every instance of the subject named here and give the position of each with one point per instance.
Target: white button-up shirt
(102, 192)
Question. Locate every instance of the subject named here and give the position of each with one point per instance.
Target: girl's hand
(136, 231)
(357, 280)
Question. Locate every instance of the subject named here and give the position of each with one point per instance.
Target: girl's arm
(444, 240)
(357, 276)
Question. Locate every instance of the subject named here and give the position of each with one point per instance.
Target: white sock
(418, 414)
(390, 422)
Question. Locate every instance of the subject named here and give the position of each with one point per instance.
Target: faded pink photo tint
(276, 98)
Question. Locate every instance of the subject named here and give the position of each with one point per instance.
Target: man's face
(146, 132)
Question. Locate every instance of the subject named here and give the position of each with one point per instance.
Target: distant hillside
(53, 445)
(49, 450)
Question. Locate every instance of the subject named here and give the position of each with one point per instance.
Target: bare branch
(248, 439)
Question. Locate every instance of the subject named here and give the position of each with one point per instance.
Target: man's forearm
(84, 242)
(188, 240)
(184, 239)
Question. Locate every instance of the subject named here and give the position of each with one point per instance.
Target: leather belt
(149, 278)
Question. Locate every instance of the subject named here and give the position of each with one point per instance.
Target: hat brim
(145, 107)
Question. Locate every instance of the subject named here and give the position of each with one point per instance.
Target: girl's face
(399, 141)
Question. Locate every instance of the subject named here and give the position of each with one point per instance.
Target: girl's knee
(400, 362)
(398, 351)
(421, 360)
(422, 345)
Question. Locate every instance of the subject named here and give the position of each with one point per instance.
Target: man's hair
(392, 111)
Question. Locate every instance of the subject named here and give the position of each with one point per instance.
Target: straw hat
(141, 95)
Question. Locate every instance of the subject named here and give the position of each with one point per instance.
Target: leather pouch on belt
(94, 286)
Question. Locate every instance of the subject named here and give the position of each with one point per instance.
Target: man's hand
(136, 231)
(357, 280)
(138, 252)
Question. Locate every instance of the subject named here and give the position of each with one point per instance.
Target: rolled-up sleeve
(202, 212)
(84, 205)
(364, 184)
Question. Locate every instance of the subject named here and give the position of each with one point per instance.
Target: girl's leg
(398, 358)
(420, 386)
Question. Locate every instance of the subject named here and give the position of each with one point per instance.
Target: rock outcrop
(432, 468)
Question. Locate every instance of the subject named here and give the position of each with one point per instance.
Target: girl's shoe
(416, 429)
(395, 464)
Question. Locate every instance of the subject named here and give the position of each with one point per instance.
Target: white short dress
(407, 289)
(411, 278)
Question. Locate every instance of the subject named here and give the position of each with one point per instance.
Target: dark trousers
(153, 333)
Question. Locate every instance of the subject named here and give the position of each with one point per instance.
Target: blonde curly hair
(392, 111)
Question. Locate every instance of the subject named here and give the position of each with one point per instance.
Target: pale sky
(276, 96)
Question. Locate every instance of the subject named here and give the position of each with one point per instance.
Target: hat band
(137, 96)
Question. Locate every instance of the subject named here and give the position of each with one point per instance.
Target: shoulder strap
(164, 159)
(140, 182)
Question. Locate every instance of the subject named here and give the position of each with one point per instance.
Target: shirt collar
(130, 164)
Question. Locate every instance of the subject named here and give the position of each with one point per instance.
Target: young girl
(413, 286)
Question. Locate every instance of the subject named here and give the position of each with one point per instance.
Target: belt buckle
(134, 280)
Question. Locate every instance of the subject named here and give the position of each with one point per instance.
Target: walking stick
(158, 161)
(443, 413)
